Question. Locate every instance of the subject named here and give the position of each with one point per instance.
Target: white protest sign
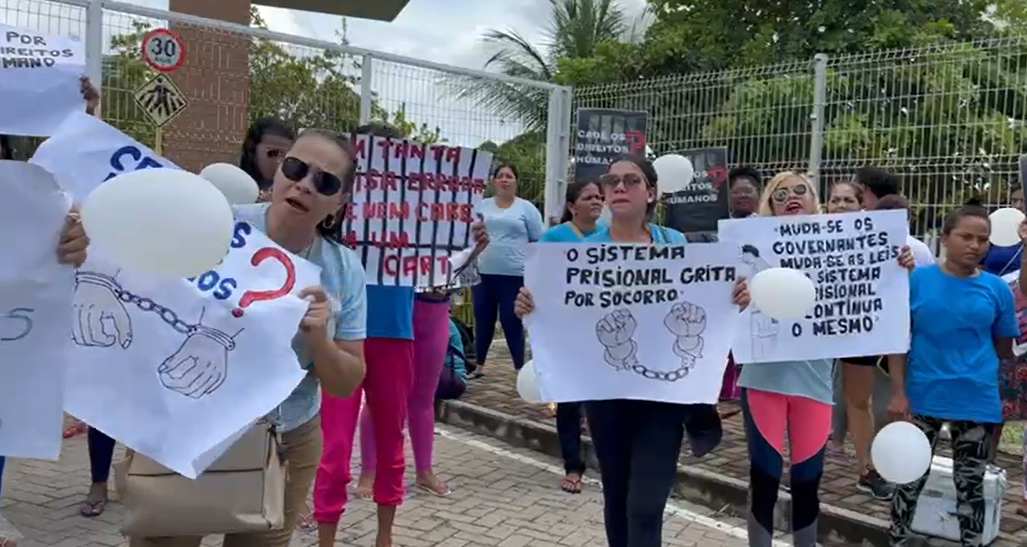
(174, 368)
(35, 313)
(84, 152)
(39, 81)
(862, 304)
(413, 206)
(632, 322)
(1020, 305)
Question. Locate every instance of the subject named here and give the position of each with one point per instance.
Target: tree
(575, 28)
(305, 90)
(942, 101)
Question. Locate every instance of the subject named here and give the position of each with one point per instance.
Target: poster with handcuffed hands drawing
(631, 322)
(173, 368)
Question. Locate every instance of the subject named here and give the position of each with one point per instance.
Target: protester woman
(790, 396)
(637, 442)
(311, 186)
(582, 206)
(512, 223)
(962, 321)
(266, 142)
(858, 375)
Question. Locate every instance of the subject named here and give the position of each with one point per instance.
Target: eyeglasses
(781, 194)
(611, 181)
(275, 153)
(296, 170)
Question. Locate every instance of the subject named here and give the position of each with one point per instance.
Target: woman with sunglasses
(266, 143)
(310, 188)
(637, 442)
(793, 397)
(582, 207)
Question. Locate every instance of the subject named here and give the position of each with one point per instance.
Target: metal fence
(948, 118)
(235, 74)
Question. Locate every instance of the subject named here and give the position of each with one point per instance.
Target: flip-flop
(429, 490)
(306, 523)
(8, 542)
(360, 495)
(571, 486)
(73, 430)
(93, 508)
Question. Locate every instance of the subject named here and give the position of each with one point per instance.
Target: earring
(329, 222)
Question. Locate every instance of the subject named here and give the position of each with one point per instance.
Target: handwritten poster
(83, 152)
(1020, 305)
(39, 81)
(35, 313)
(636, 322)
(862, 294)
(173, 368)
(413, 206)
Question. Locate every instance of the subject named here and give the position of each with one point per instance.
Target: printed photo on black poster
(603, 135)
(698, 207)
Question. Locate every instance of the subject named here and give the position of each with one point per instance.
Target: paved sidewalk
(502, 497)
(497, 391)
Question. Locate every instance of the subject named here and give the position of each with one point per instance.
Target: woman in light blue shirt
(311, 186)
(582, 206)
(512, 223)
(638, 442)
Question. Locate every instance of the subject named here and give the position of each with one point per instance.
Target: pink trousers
(387, 384)
(431, 337)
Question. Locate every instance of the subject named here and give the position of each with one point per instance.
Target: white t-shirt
(922, 254)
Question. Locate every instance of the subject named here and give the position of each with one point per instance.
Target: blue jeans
(494, 296)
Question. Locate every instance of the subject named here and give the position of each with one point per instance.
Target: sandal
(571, 486)
(8, 542)
(73, 430)
(93, 507)
(428, 489)
(306, 523)
(549, 411)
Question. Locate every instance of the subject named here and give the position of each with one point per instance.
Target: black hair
(750, 249)
(855, 188)
(574, 191)
(255, 134)
(333, 230)
(6, 150)
(651, 178)
(506, 165)
(878, 182)
(380, 130)
(744, 171)
(892, 202)
(973, 208)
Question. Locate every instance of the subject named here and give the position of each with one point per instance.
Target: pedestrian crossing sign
(161, 99)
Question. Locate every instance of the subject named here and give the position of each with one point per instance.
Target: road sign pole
(158, 142)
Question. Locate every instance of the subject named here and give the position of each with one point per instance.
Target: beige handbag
(242, 491)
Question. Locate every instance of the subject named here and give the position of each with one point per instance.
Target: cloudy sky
(443, 31)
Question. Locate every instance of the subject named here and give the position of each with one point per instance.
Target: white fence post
(816, 143)
(94, 42)
(557, 150)
(366, 92)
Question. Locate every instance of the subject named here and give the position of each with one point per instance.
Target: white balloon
(675, 173)
(527, 383)
(238, 187)
(161, 221)
(782, 293)
(901, 453)
(1005, 224)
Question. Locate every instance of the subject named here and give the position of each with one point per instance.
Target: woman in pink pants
(431, 335)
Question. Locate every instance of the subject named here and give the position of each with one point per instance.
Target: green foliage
(942, 101)
(305, 89)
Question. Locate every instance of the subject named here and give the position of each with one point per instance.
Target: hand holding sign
(314, 325)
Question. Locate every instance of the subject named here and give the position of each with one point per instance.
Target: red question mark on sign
(260, 256)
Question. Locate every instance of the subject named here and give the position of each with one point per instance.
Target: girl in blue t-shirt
(638, 442)
(962, 321)
(582, 207)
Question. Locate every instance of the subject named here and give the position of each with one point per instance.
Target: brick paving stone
(497, 391)
(498, 500)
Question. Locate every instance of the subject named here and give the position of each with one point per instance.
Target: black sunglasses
(296, 170)
(611, 181)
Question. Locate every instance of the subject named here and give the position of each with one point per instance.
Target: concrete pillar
(215, 78)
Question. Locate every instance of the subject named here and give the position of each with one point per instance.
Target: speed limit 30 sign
(163, 50)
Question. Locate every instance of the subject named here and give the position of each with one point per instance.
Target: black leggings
(568, 429)
(637, 444)
(101, 454)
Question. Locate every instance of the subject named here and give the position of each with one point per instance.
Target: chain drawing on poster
(199, 366)
(616, 332)
(862, 293)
